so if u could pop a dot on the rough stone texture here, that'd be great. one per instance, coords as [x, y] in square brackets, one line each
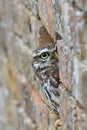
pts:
[24, 24]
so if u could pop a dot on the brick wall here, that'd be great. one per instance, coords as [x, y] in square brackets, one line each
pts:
[23, 25]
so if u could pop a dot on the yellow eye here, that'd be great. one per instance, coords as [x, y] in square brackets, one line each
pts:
[44, 55]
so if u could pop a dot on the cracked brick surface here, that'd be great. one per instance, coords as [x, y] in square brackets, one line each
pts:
[24, 24]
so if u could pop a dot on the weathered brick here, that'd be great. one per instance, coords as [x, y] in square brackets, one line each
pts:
[23, 26]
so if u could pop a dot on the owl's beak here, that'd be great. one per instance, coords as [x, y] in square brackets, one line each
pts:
[55, 55]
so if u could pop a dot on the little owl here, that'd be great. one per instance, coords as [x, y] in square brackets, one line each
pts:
[45, 64]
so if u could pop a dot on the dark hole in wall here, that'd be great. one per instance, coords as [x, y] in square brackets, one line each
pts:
[44, 36]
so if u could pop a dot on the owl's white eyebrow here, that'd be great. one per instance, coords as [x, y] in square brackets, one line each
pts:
[42, 51]
[47, 50]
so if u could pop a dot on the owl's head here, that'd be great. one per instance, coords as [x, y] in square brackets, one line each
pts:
[45, 57]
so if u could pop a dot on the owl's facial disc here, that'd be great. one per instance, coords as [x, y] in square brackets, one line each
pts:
[45, 58]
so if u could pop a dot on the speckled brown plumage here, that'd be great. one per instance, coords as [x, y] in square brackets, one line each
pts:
[45, 64]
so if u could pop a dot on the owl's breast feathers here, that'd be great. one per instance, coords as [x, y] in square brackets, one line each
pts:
[49, 89]
[51, 74]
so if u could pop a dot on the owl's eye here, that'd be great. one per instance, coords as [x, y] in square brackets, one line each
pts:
[44, 55]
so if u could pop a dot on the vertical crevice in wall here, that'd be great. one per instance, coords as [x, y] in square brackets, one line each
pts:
[24, 25]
